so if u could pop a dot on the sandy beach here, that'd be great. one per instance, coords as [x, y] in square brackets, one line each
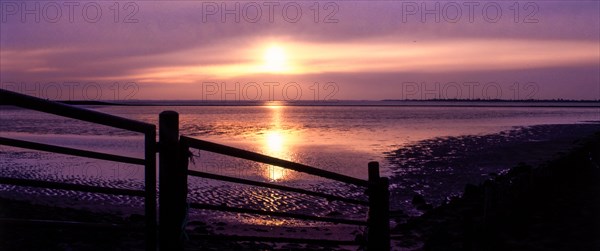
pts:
[438, 169]
[552, 206]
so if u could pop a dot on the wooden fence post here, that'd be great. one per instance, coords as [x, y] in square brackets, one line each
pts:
[384, 186]
[172, 183]
[150, 188]
[378, 236]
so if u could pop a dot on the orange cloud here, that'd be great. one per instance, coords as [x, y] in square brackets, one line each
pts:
[382, 56]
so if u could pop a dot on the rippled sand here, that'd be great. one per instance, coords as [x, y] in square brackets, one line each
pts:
[439, 168]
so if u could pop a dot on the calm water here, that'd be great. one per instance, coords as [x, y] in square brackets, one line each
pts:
[337, 138]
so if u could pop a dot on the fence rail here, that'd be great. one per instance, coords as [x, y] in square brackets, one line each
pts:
[175, 152]
[149, 161]
[330, 197]
[257, 157]
[70, 151]
[277, 214]
[70, 186]
[71, 224]
[68, 111]
[273, 239]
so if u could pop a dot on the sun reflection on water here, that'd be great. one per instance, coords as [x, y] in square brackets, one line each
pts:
[275, 145]
[276, 142]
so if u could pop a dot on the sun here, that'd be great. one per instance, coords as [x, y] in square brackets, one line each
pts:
[275, 59]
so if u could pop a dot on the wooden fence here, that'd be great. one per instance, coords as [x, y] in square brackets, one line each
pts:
[149, 161]
[173, 150]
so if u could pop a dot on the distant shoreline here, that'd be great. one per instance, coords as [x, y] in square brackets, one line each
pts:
[358, 103]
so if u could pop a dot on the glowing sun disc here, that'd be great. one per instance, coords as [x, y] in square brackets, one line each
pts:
[275, 59]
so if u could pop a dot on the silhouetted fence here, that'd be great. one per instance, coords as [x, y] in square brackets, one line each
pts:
[173, 174]
[149, 161]
[174, 151]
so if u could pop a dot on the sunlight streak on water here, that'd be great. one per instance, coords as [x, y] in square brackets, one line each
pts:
[276, 143]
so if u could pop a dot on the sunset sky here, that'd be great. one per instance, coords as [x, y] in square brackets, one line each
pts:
[353, 49]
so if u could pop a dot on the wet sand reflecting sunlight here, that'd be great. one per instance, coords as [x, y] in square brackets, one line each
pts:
[278, 143]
